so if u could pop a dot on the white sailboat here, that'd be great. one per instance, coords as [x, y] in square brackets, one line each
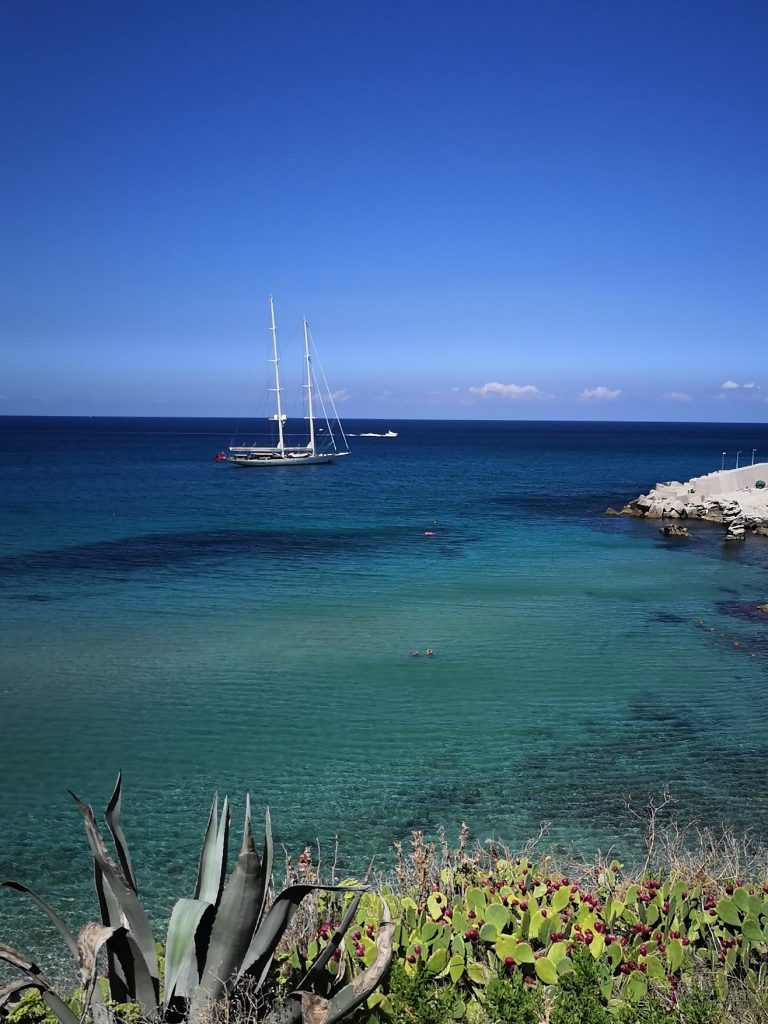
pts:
[312, 453]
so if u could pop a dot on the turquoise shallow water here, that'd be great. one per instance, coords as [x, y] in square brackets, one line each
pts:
[204, 628]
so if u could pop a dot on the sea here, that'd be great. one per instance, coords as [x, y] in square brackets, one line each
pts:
[203, 628]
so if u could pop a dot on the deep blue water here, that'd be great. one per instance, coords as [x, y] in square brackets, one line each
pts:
[203, 627]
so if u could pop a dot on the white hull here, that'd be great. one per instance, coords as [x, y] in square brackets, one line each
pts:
[260, 461]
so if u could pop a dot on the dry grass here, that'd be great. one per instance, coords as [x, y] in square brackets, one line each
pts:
[679, 850]
[691, 852]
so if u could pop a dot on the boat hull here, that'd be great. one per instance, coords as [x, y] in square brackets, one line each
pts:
[257, 462]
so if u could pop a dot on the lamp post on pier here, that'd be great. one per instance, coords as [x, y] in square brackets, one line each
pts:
[753, 455]
[722, 463]
[738, 453]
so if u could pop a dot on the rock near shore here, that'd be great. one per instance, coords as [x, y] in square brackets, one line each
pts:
[674, 530]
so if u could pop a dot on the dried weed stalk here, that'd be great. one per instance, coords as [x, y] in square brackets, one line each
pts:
[431, 865]
[695, 853]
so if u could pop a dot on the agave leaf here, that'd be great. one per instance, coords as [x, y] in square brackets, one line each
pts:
[134, 969]
[265, 939]
[14, 987]
[180, 952]
[209, 844]
[132, 961]
[129, 978]
[100, 1013]
[338, 981]
[90, 939]
[59, 1007]
[336, 941]
[266, 859]
[112, 817]
[18, 960]
[325, 954]
[56, 920]
[361, 986]
[136, 919]
[213, 855]
[111, 916]
[235, 922]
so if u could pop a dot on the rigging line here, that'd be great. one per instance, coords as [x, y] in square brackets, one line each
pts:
[330, 396]
[325, 417]
[328, 421]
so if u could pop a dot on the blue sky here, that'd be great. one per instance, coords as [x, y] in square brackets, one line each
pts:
[538, 210]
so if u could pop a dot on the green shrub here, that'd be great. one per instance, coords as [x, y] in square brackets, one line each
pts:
[652, 1011]
[418, 999]
[511, 1001]
[697, 1007]
[30, 1009]
[578, 999]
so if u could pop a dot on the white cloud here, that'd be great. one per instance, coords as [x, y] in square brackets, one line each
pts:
[340, 396]
[677, 396]
[513, 391]
[733, 386]
[600, 393]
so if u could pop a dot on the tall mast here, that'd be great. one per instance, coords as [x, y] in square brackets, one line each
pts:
[308, 386]
[276, 389]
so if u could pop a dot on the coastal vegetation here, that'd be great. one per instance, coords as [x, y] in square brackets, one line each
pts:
[454, 932]
[221, 940]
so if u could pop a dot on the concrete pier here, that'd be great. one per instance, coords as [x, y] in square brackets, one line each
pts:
[737, 498]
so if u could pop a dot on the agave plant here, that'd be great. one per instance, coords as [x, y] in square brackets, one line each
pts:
[217, 938]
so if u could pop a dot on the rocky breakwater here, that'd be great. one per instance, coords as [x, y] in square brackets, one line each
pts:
[737, 498]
